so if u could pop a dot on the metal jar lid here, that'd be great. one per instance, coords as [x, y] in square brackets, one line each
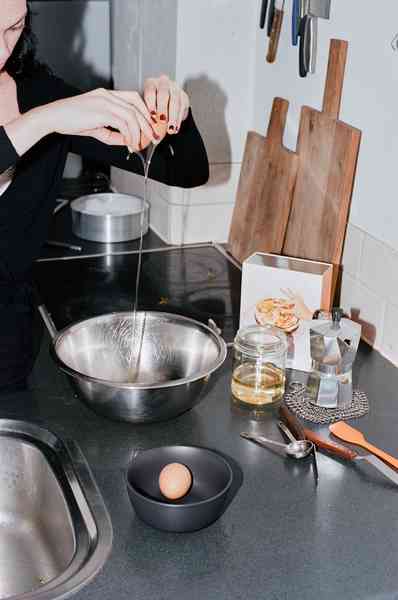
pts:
[261, 341]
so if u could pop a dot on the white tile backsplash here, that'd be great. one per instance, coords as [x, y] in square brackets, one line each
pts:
[370, 289]
[353, 250]
[375, 265]
[390, 337]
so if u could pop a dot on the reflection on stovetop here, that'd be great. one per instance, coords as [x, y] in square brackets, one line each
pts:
[196, 282]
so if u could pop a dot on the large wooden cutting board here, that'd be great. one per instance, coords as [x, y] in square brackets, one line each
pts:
[328, 151]
[265, 190]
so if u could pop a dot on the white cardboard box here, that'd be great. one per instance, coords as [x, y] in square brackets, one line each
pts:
[270, 276]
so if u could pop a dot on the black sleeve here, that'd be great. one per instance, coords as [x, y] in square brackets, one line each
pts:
[8, 154]
[179, 160]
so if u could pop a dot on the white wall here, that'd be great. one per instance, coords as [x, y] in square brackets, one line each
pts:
[208, 47]
[370, 101]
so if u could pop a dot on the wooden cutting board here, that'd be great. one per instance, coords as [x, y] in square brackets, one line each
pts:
[328, 151]
[265, 190]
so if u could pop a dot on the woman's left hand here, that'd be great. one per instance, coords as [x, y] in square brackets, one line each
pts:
[167, 102]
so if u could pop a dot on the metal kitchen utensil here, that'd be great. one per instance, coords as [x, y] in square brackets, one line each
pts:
[176, 354]
[212, 477]
[109, 217]
[314, 10]
[308, 34]
[351, 455]
[297, 449]
[291, 437]
[320, 8]
[353, 436]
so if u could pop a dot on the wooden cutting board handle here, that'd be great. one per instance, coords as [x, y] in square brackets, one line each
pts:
[277, 122]
[335, 78]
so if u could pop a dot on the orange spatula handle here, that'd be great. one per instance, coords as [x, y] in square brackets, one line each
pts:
[387, 458]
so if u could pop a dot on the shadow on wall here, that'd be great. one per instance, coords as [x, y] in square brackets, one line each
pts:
[59, 27]
[209, 102]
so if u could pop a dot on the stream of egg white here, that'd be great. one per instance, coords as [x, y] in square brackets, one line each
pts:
[136, 336]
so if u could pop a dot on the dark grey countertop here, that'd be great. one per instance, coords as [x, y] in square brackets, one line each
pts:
[280, 538]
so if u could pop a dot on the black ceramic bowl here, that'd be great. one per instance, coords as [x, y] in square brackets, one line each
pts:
[204, 503]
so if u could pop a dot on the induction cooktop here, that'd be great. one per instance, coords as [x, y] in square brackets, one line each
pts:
[197, 281]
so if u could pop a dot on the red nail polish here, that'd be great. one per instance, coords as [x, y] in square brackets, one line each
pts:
[162, 117]
[153, 112]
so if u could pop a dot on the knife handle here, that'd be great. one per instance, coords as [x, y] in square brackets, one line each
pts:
[320, 442]
[264, 6]
[295, 21]
[275, 34]
[292, 422]
[303, 64]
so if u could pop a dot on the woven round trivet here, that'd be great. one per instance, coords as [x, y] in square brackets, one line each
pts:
[298, 401]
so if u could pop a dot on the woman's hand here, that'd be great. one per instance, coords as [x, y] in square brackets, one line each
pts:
[166, 102]
[112, 117]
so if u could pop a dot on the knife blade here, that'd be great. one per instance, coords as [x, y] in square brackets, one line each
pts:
[320, 8]
[380, 466]
[351, 455]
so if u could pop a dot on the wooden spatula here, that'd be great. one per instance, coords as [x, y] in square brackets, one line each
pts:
[353, 436]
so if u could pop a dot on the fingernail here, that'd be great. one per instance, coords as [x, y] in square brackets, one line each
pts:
[171, 127]
[162, 117]
[153, 112]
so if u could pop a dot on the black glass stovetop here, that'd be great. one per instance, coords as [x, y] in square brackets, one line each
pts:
[196, 282]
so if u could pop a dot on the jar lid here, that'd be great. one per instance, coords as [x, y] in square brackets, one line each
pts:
[261, 340]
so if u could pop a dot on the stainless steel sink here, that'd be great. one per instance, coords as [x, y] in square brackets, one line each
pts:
[55, 532]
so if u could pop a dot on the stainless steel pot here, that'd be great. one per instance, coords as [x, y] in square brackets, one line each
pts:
[150, 370]
[109, 217]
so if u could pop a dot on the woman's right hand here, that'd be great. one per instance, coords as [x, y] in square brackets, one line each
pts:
[112, 117]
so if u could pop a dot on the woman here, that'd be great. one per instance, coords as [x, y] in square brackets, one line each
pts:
[41, 120]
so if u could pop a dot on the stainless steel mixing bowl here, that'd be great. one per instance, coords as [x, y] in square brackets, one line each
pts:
[150, 370]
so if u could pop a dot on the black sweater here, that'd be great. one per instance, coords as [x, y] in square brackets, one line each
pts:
[27, 205]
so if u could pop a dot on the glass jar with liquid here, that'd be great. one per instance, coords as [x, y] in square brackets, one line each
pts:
[258, 374]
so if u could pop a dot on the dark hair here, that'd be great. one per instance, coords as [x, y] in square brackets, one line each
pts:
[22, 61]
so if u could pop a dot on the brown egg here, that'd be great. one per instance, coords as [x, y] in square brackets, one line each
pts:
[175, 480]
